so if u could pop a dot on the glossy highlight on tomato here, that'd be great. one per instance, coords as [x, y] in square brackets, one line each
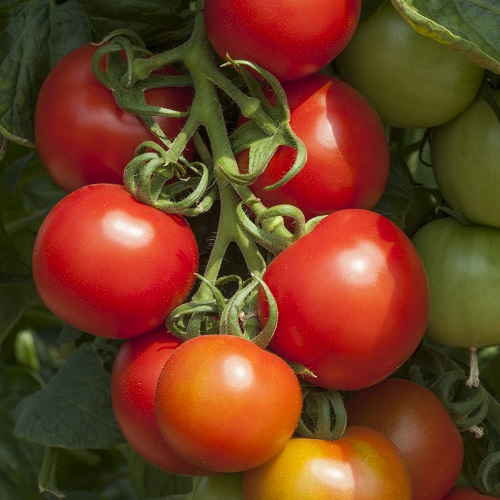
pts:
[134, 379]
[82, 135]
[347, 162]
[225, 404]
[289, 38]
[111, 266]
[416, 421]
[352, 297]
[361, 465]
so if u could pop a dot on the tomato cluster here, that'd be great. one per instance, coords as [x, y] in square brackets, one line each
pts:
[348, 296]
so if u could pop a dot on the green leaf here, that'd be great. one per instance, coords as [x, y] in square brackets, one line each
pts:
[19, 460]
[151, 482]
[12, 267]
[369, 7]
[398, 194]
[15, 300]
[35, 35]
[155, 21]
[74, 409]
[471, 28]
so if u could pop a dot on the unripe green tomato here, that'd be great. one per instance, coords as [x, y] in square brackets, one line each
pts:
[410, 79]
[463, 269]
[226, 486]
[465, 156]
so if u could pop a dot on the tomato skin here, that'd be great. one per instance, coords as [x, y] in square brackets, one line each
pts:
[111, 266]
[465, 493]
[225, 404]
[134, 378]
[363, 464]
[464, 156]
[464, 275]
[347, 162]
[82, 135]
[411, 79]
[254, 30]
[343, 293]
[416, 421]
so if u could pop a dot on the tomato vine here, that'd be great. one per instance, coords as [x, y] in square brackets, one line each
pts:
[237, 107]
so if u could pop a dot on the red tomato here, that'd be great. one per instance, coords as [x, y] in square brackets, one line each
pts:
[111, 266]
[226, 404]
[362, 465]
[347, 152]
[290, 38]
[353, 300]
[416, 421]
[464, 493]
[83, 136]
[134, 378]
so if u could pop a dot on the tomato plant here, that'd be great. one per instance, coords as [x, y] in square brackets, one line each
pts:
[342, 293]
[225, 404]
[347, 162]
[464, 155]
[363, 464]
[416, 421]
[410, 79]
[109, 265]
[462, 267]
[83, 136]
[274, 316]
[134, 379]
[314, 33]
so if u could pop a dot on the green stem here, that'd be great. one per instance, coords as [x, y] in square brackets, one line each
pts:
[47, 477]
[206, 111]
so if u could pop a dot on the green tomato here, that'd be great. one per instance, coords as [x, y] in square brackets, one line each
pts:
[465, 156]
[410, 79]
[226, 486]
[463, 270]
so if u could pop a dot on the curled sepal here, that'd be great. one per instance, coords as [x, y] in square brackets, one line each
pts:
[202, 315]
[268, 229]
[487, 476]
[323, 414]
[193, 319]
[268, 128]
[240, 314]
[183, 188]
[117, 74]
[468, 406]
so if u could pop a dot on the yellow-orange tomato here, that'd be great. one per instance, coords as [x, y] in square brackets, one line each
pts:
[362, 465]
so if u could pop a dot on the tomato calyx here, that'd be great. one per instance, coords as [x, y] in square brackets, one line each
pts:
[468, 406]
[323, 414]
[234, 316]
[161, 177]
[487, 476]
[180, 187]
